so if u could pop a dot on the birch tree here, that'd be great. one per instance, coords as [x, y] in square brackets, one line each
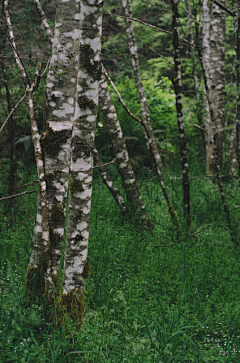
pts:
[214, 63]
[177, 82]
[120, 149]
[82, 143]
[132, 45]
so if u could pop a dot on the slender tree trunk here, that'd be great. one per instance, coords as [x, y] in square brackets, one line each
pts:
[232, 150]
[154, 154]
[178, 93]
[237, 39]
[113, 189]
[206, 52]
[12, 176]
[216, 153]
[217, 73]
[193, 58]
[123, 162]
[86, 106]
[30, 88]
[132, 45]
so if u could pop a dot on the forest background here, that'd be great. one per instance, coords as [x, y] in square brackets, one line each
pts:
[156, 295]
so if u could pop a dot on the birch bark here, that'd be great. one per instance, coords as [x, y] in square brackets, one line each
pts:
[82, 144]
[216, 154]
[217, 73]
[206, 52]
[107, 181]
[237, 39]
[61, 87]
[40, 245]
[178, 93]
[132, 45]
[123, 162]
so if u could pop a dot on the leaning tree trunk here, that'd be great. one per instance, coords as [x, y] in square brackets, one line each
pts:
[132, 45]
[178, 93]
[120, 149]
[86, 107]
[154, 154]
[111, 187]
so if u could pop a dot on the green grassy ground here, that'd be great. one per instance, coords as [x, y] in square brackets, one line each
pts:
[150, 297]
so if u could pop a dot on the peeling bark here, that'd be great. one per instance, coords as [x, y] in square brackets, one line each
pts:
[82, 143]
[120, 149]
[178, 93]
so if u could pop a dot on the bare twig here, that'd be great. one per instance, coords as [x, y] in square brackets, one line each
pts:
[230, 12]
[19, 195]
[160, 55]
[99, 166]
[199, 127]
[5, 122]
[152, 26]
[27, 185]
[120, 97]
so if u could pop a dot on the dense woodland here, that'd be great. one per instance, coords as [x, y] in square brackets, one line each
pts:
[119, 181]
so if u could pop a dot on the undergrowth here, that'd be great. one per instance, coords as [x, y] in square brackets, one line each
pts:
[151, 297]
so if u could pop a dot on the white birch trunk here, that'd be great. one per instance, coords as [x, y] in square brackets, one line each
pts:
[123, 161]
[61, 89]
[108, 182]
[86, 106]
[132, 45]
[217, 72]
[210, 164]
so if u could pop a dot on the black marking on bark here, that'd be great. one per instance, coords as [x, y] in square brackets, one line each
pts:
[54, 140]
[94, 68]
[85, 103]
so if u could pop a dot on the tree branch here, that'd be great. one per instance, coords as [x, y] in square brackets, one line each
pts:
[223, 7]
[5, 122]
[19, 195]
[44, 21]
[152, 26]
[120, 97]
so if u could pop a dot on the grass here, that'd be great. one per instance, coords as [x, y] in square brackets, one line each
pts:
[150, 298]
